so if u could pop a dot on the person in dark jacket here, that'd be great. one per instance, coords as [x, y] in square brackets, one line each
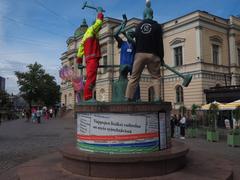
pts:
[172, 123]
[149, 52]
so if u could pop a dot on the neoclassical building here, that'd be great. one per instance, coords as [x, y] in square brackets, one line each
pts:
[199, 43]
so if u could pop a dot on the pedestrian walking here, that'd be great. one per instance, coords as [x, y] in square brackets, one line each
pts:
[46, 115]
[172, 123]
[23, 114]
[182, 127]
[51, 112]
[177, 126]
[33, 111]
[55, 111]
[38, 114]
[28, 115]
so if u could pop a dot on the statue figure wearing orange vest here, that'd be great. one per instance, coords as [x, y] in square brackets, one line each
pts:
[90, 49]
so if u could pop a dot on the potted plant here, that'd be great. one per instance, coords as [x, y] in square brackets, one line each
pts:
[233, 138]
[192, 130]
[212, 133]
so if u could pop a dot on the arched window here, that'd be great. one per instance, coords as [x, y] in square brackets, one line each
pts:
[179, 94]
[151, 94]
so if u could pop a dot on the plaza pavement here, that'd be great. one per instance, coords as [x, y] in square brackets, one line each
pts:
[21, 142]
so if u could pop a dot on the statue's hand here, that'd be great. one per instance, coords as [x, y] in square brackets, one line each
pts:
[124, 23]
[124, 18]
[99, 9]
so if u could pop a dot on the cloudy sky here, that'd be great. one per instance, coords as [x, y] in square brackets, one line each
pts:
[37, 30]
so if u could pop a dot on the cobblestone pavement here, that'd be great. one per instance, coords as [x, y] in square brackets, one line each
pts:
[218, 150]
[22, 141]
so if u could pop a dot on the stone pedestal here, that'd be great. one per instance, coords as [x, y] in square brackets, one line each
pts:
[130, 140]
[123, 128]
[103, 165]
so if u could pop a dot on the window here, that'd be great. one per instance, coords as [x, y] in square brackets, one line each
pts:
[238, 54]
[150, 94]
[179, 94]
[178, 56]
[71, 62]
[65, 99]
[177, 47]
[105, 62]
[215, 53]
[217, 43]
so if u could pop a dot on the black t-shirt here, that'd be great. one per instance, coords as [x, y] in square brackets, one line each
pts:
[149, 39]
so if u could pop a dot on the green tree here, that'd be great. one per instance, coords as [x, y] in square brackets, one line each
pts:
[212, 116]
[236, 115]
[4, 100]
[38, 87]
[194, 115]
[51, 91]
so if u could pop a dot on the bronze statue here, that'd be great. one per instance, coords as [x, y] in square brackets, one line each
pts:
[149, 52]
[127, 54]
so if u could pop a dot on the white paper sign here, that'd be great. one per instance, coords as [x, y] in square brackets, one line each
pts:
[116, 124]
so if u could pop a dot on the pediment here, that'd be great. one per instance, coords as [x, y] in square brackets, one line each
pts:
[177, 41]
[216, 39]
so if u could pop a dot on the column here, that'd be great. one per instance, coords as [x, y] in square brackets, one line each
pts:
[232, 49]
[199, 43]
[233, 57]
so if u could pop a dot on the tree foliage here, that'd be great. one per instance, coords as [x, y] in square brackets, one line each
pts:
[4, 100]
[38, 87]
[236, 115]
[212, 116]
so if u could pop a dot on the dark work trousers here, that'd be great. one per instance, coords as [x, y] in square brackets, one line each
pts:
[182, 130]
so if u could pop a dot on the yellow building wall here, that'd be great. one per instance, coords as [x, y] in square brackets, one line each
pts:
[70, 97]
[189, 47]
[207, 46]
[193, 94]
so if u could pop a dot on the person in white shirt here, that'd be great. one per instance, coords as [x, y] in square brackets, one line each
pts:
[182, 127]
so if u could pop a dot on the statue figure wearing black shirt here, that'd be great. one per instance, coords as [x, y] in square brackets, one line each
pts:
[149, 52]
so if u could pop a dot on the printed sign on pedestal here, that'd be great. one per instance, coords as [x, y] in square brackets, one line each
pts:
[120, 133]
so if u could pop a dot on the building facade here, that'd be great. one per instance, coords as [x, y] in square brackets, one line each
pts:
[2, 83]
[199, 43]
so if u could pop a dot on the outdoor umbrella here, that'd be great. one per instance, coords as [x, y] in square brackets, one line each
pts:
[207, 106]
[231, 106]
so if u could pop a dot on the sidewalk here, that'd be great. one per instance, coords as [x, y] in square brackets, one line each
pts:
[216, 149]
[21, 142]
